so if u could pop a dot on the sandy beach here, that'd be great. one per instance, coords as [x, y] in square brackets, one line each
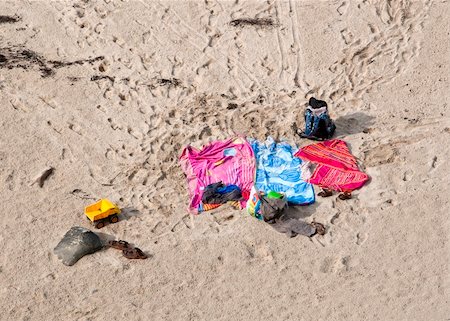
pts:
[106, 94]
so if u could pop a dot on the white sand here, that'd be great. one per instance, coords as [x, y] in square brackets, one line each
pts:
[383, 66]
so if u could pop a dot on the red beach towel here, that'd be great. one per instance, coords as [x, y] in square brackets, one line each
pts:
[336, 167]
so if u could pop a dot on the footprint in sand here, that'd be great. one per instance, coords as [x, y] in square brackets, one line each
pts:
[9, 181]
[343, 7]
[259, 251]
[335, 264]
[75, 128]
[434, 162]
[384, 154]
[408, 175]
[361, 238]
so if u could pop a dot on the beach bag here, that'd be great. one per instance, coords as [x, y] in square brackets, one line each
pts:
[318, 124]
[266, 206]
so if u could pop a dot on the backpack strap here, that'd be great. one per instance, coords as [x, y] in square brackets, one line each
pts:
[311, 123]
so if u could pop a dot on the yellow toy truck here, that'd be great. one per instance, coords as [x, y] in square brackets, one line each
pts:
[101, 212]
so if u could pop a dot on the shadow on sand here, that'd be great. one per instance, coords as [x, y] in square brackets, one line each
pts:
[353, 123]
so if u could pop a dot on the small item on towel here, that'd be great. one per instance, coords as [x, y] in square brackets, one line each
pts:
[202, 207]
[318, 124]
[254, 204]
[219, 193]
[76, 243]
[336, 167]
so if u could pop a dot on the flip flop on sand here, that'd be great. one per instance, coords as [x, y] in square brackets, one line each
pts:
[325, 192]
[345, 196]
[134, 253]
[119, 245]
[320, 228]
[128, 251]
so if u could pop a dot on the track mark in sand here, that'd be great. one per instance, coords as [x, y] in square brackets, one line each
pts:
[280, 46]
[114, 125]
[434, 162]
[82, 194]
[211, 30]
[347, 36]
[77, 19]
[334, 219]
[204, 66]
[9, 181]
[387, 148]
[361, 238]
[154, 161]
[43, 176]
[63, 154]
[49, 101]
[384, 154]
[57, 129]
[17, 104]
[134, 134]
[299, 78]
[266, 64]
[75, 128]
[335, 264]
[258, 251]
[186, 36]
[343, 7]
[350, 217]
[365, 64]
[408, 175]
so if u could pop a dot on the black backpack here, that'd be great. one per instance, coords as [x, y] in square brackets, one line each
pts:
[318, 124]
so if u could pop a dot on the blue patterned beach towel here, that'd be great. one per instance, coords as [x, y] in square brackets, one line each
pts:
[277, 169]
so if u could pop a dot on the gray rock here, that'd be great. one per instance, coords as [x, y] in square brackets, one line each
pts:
[77, 243]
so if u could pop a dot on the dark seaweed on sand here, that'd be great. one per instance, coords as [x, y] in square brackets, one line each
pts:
[101, 77]
[169, 82]
[258, 22]
[9, 19]
[18, 57]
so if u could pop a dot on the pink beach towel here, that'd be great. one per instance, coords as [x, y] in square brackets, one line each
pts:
[231, 162]
[336, 167]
